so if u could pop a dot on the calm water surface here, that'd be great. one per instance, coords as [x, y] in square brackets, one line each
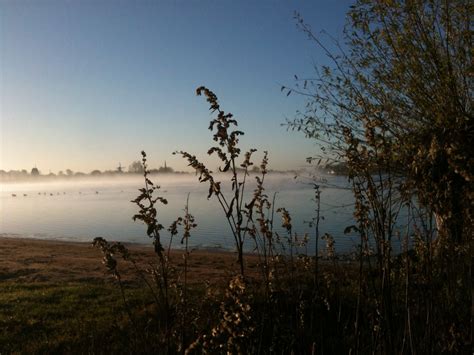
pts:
[81, 210]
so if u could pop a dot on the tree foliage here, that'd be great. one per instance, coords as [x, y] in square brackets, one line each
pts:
[35, 172]
[395, 106]
[136, 167]
[400, 93]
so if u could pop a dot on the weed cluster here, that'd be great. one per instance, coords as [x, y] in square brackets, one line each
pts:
[297, 301]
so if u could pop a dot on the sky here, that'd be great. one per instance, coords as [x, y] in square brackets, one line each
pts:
[89, 84]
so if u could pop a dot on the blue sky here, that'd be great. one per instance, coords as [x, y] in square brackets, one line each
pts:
[86, 84]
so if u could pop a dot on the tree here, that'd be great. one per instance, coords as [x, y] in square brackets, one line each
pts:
[404, 76]
[35, 172]
[395, 106]
[136, 167]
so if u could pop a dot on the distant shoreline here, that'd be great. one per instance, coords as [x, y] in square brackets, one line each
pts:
[24, 176]
[80, 176]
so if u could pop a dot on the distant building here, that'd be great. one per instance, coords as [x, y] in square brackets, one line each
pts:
[165, 169]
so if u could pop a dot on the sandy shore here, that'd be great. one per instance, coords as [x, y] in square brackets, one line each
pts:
[33, 260]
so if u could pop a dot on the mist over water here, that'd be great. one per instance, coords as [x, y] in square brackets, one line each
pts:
[80, 210]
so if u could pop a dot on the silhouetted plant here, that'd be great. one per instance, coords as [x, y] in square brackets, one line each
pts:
[234, 332]
[148, 213]
[159, 278]
[228, 151]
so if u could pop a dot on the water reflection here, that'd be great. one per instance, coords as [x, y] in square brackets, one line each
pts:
[82, 210]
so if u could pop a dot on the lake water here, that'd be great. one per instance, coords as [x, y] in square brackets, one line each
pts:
[82, 210]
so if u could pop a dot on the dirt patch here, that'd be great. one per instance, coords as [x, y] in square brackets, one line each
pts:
[32, 260]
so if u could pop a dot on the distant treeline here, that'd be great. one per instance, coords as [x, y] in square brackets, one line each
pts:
[35, 173]
[133, 169]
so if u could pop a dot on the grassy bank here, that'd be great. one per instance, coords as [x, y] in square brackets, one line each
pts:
[57, 296]
[46, 309]
[74, 317]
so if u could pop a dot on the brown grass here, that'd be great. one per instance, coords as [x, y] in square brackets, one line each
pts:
[33, 260]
